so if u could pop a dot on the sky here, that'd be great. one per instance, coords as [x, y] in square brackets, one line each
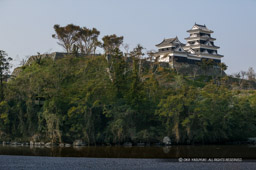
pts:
[26, 26]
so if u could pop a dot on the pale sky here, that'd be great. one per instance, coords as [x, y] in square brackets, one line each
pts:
[26, 26]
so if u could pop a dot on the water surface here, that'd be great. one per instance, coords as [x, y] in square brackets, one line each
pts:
[171, 152]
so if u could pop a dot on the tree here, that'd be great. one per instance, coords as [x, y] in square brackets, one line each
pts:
[4, 116]
[211, 111]
[118, 72]
[126, 50]
[111, 42]
[4, 70]
[67, 36]
[170, 109]
[137, 53]
[243, 73]
[53, 126]
[194, 71]
[223, 67]
[251, 74]
[134, 93]
[205, 64]
[88, 40]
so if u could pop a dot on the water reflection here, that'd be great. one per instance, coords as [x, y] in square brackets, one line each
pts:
[166, 149]
[175, 151]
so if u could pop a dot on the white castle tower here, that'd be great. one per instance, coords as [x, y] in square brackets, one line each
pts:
[200, 45]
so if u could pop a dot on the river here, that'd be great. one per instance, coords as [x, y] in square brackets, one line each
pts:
[245, 152]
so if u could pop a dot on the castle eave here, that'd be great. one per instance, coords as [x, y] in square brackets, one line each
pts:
[200, 38]
[202, 46]
[200, 31]
[214, 56]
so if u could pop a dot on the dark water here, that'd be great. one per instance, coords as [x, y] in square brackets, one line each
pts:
[171, 152]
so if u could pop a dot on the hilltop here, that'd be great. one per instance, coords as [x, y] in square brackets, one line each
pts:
[122, 97]
[101, 100]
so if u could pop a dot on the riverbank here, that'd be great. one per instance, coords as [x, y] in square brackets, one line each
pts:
[42, 163]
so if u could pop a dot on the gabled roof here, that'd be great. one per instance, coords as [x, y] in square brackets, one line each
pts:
[191, 51]
[179, 49]
[167, 42]
[200, 27]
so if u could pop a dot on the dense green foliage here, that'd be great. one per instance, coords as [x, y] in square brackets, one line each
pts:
[4, 69]
[115, 101]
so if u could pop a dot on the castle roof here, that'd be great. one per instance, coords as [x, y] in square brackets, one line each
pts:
[167, 42]
[198, 27]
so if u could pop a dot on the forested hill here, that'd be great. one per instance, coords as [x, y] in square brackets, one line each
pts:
[114, 101]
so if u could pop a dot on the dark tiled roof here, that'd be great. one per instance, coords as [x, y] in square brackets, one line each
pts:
[182, 45]
[201, 27]
[166, 42]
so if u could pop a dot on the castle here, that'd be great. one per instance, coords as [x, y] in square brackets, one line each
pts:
[184, 58]
[200, 45]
